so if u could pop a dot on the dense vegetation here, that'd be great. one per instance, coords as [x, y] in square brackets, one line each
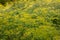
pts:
[30, 20]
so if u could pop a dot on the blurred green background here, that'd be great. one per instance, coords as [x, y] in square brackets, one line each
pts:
[29, 19]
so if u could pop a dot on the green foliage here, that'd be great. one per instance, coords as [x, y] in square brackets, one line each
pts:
[3, 2]
[30, 20]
